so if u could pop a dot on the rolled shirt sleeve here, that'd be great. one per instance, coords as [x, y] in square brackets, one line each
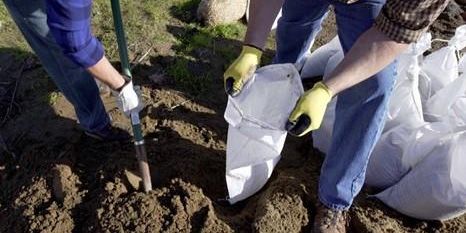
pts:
[405, 20]
[70, 24]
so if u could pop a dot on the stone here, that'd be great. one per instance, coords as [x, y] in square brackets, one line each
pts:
[215, 12]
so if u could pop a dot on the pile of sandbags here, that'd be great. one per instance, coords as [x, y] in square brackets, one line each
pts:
[420, 157]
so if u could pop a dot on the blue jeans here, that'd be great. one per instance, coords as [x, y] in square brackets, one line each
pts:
[78, 86]
[360, 110]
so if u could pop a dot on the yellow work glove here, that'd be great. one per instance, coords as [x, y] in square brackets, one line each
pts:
[241, 70]
[309, 111]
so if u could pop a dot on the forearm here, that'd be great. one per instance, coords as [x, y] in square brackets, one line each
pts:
[372, 52]
[106, 73]
[262, 14]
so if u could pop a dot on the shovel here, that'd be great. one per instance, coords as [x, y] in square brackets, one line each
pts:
[141, 153]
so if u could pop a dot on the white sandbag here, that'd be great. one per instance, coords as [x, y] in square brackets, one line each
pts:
[315, 63]
[446, 104]
[441, 66]
[422, 141]
[256, 134]
[250, 160]
[435, 189]
[385, 166]
[400, 149]
[405, 106]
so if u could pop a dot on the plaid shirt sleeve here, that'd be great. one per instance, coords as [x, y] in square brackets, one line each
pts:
[70, 24]
[405, 20]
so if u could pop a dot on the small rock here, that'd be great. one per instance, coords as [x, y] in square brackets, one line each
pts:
[214, 12]
[60, 175]
[133, 180]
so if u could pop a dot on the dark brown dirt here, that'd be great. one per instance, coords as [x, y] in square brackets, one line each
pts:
[53, 179]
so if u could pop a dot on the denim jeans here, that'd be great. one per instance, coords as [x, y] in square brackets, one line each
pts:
[78, 86]
[360, 110]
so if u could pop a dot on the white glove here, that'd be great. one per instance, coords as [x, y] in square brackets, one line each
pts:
[128, 100]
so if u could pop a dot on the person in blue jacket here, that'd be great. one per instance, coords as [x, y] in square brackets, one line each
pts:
[60, 34]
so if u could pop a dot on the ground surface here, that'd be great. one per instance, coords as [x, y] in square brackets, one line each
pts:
[53, 179]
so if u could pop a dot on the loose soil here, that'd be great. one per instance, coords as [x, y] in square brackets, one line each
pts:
[54, 179]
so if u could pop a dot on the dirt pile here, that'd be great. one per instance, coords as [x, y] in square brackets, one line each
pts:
[180, 207]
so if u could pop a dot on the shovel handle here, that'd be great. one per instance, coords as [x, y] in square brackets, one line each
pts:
[141, 155]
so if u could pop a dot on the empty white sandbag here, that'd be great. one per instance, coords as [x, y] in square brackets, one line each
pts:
[256, 132]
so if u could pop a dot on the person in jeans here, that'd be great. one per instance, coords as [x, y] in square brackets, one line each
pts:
[372, 33]
[59, 32]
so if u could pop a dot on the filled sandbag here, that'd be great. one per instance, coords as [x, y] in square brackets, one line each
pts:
[440, 68]
[316, 62]
[435, 189]
[448, 104]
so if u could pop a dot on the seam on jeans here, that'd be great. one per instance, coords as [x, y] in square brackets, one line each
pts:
[375, 132]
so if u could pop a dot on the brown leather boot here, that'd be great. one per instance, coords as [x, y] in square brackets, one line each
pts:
[329, 221]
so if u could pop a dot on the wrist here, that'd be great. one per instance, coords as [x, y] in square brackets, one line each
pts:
[126, 81]
[252, 50]
[324, 87]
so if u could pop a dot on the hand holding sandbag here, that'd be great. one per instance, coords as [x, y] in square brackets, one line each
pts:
[309, 111]
[241, 70]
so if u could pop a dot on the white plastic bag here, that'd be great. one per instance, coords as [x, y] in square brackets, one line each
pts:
[385, 166]
[256, 134]
[435, 188]
[422, 141]
[315, 63]
[448, 104]
[405, 106]
[441, 66]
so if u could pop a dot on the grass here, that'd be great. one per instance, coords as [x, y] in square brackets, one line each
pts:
[203, 46]
[185, 79]
[159, 23]
[9, 33]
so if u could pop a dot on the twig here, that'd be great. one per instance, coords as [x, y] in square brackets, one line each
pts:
[20, 72]
[142, 57]
[440, 40]
[178, 105]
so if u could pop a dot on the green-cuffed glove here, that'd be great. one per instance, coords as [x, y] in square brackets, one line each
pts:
[241, 70]
[309, 111]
